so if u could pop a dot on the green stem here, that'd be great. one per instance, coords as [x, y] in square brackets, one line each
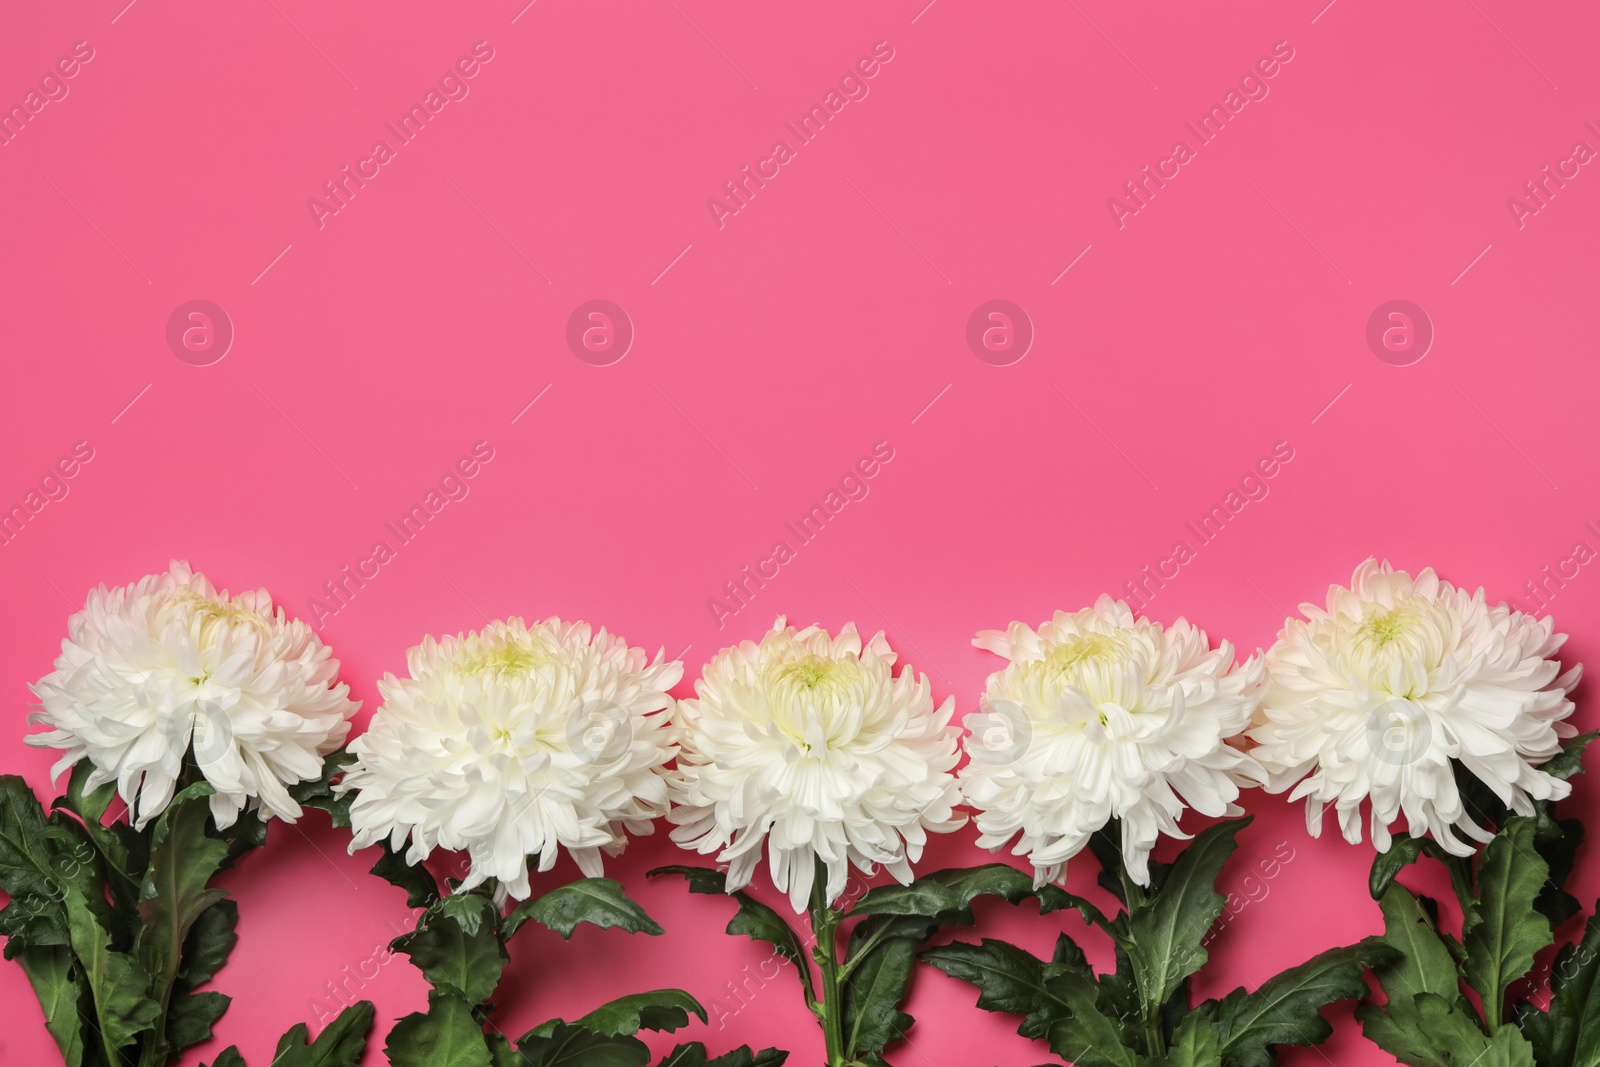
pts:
[1155, 1042]
[825, 924]
[1494, 1000]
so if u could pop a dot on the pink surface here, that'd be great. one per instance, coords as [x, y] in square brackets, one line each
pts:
[1172, 348]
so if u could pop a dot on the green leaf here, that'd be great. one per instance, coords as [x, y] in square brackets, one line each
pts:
[501, 1054]
[1422, 963]
[341, 1043]
[446, 1035]
[1568, 1034]
[32, 920]
[1557, 842]
[1403, 851]
[753, 919]
[39, 864]
[1432, 1031]
[249, 831]
[872, 994]
[1286, 1009]
[117, 984]
[183, 859]
[1086, 1036]
[951, 890]
[1068, 953]
[319, 791]
[1195, 1044]
[599, 901]
[210, 941]
[453, 960]
[1008, 980]
[566, 1045]
[1501, 932]
[1165, 932]
[1054, 898]
[1570, 761]
[421, 890]
[694, 1054]
[58, 983]
[90, 806]
[123, 868]
[1119, 997]
[190, 1017]
[1106, 844]
[471, 910]
[229, 1057]
[659, 1009]
[1509, 1048]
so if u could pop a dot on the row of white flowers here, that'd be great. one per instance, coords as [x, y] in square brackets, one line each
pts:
[518, 741]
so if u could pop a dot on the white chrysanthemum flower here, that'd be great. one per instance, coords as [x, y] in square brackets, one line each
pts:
[1377, 697]
[1098, 716]
[516, 741]
[811, 744]
[167, 670]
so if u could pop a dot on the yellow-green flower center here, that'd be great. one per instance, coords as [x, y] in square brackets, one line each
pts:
[1386, 627]
[503, 657]
[1064, 657]
[811, 672]
[219, 609]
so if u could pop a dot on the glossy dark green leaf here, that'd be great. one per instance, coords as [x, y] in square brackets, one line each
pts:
[421, 890]
[694, 1054]
[1008, 980]
[119, 986]
[501, 1054]
[190, 1017]
[1403, 851]
[1118, 997]
[1195, 1043]
[1557, 842]
[951, 890]
[341, 1043]
[248, 832]
[39, 862]
[1501, 931]
[1085, 1036]
[210, 941]
[600, 902]
[1568, 1034]
[872, 994]
[57, 981]
[176, 889]
[446, 1035]
[1054, 898]
[1433, 1033]
[469, 909]
[565, 1045]
[1166, 932]
[319, 791]
[124, 869]
[229, 1057]
[659, 1009]
[453, 960]
[1069, 954]
[1421, 962]
[1570, 760]
[88, 805]
[1286, 1009]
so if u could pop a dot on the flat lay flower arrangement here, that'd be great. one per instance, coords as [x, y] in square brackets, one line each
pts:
[1433, 723]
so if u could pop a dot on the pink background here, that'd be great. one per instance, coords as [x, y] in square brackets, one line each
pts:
[770, 354]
